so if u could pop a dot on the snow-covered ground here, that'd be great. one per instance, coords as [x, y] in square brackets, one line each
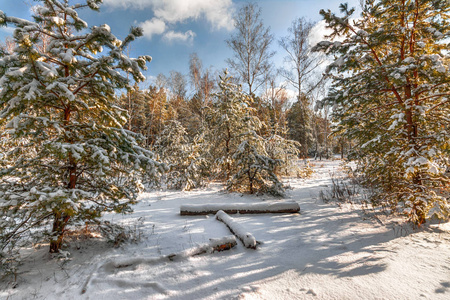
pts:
[325, 252]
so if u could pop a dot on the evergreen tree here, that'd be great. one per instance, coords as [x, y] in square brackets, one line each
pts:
[390, 96]
[284, 151]
[299, 119]
[66, 156]
[239, 151]
[230, 106]
[184, 158]
[254, 169]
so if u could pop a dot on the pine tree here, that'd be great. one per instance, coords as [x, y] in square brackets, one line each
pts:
[254, 169]
[284, 151]
[390, 96]
[66, 155]
[230, 106]
[239, 151]
[184, 158]
[299, 119]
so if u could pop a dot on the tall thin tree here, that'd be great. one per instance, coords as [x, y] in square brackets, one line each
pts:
[300, 65]
[251, 47]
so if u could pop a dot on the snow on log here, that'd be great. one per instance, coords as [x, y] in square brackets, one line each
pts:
[214, 245]
[242, 208]
[247, 238]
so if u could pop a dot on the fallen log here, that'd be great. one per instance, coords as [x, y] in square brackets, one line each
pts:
[214, 245]
[241, 208]
[246, 238]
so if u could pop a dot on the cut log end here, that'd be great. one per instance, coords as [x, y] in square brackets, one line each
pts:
[223, 247]
[246, 238]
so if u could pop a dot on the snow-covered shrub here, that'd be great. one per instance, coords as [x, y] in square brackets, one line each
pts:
[254, 169]
[286, 152]
[119, 234]
[342, 190]
[305, 171]
[185, 159]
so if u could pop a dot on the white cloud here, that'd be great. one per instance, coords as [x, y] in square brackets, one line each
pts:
[7, 30]
[217, 12]
[153, 26]
[139, 4]
[318, 33]
[172, 36]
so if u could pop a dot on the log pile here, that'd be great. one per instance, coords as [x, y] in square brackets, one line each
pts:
[246, 238]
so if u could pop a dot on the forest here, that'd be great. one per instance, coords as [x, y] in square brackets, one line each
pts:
[82, 134]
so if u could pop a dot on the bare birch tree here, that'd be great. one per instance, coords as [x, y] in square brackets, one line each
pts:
[251, 47]
[300, 66]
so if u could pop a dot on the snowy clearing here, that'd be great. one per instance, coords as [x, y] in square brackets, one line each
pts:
[325, 252]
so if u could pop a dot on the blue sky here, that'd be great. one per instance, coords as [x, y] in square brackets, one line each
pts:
[176, 28]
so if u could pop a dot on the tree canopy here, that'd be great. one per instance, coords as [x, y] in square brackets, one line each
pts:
[391, 96]
[66, 156]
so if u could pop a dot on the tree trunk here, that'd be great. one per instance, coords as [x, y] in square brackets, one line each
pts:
[249, 174]
[228, 150]
[59, 225]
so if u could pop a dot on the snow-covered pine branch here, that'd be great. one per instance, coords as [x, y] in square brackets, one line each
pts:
[66, 157]
[391, 70]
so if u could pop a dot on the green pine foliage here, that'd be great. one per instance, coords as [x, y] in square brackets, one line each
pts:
[239, 151]
[300, 122]
[254, 169]
[390, 96]
[230, 107]
[286, 152]
[65, 155]
[185, 159]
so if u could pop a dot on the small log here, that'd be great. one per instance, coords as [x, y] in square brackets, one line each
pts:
[241, 208]
[214, 245]
[246, 238]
